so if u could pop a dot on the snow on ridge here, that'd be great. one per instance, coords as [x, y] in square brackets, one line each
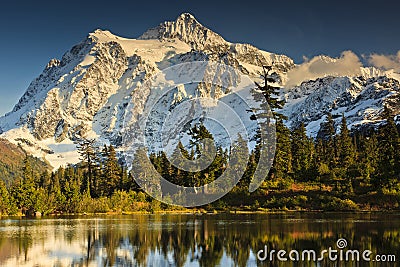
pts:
[361, 99]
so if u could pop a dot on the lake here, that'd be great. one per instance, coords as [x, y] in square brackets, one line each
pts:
[201, 240]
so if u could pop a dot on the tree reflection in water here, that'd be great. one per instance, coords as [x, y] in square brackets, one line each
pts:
[185, 239]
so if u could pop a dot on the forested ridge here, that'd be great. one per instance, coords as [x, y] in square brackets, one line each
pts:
[12, 162]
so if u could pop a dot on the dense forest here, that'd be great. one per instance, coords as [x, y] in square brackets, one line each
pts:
[338, 170]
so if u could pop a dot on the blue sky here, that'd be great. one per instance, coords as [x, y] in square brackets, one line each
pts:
[33, 32]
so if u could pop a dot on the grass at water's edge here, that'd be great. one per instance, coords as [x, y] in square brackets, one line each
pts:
[199, 212]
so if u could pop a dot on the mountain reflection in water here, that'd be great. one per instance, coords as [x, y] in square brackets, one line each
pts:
[190, 240]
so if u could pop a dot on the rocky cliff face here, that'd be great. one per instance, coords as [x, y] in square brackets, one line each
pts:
[361, 99]
[187, 29]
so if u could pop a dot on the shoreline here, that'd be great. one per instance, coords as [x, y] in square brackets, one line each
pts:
[197, 212]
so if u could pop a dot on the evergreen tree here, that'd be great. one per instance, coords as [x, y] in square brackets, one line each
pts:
[238, 160]
[270, 92]
[23, 190]
[218, 165]
[199, 134]
[28, 175]
[326, 153]
[347, 156]
[143, 171]
[301, 153]
[387, 175]
[87, 150]
[5, 201]
[179, 176]
[166, 167]
[45, 180]
[56, 188]
[112, 172]
[42, 202]
[282, 165]
[330, 156]
[249, 173]
[125, 179]
[346, 150]
[71, 190]
[368, 156]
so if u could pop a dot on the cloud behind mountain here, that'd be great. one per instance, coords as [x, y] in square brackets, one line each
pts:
[321, 66]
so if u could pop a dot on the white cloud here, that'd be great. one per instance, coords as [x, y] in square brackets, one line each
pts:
[385, 61]
[320, 66]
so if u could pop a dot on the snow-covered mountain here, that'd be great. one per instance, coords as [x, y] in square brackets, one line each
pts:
[85, 94]
[361, 99]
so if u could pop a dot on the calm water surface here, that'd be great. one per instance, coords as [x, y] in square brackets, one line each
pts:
[193, 240]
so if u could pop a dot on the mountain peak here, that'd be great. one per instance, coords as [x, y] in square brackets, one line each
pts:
[101, 35]
[186, 16]
[54, 62]
[187, 29]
